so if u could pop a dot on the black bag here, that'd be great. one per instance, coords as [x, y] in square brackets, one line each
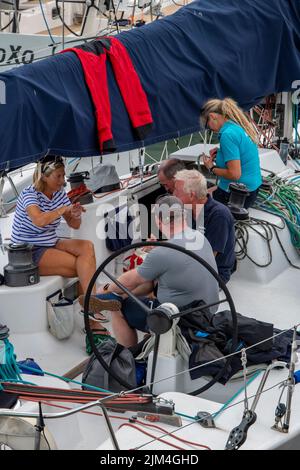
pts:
[117, 233]
[119, 359]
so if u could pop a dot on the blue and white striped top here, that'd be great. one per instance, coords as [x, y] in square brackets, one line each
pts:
[23, 229]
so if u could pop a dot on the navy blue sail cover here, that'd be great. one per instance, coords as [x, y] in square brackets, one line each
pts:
[211, 48]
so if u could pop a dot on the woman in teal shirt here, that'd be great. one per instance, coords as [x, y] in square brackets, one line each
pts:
[237, 159]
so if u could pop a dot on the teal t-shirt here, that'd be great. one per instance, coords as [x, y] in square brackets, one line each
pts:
[235, 144]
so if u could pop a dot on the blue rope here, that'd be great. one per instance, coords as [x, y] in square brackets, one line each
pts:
[10, 372]
[9, 369]
[24, 382]
[64, 379]
[223, 408]
[236, 394]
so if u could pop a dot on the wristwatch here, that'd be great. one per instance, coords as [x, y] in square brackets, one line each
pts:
[212, 170]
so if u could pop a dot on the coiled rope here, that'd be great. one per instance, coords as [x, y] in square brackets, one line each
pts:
[284, 201]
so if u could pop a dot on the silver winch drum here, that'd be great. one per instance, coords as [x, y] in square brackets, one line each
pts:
[20, 270]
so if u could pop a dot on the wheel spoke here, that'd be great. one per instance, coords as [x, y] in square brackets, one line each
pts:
[124, 289]
[198, 309]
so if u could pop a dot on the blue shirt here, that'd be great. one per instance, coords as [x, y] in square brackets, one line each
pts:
[24, 230]
[235, 144]
[220, 232]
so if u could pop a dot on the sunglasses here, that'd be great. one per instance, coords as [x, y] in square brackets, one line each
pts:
[50, 162]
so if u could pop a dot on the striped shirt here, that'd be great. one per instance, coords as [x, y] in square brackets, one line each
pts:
[24, 230]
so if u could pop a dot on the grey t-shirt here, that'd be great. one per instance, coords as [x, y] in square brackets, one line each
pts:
[182, 279]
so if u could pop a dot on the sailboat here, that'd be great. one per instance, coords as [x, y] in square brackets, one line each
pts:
[208, 48]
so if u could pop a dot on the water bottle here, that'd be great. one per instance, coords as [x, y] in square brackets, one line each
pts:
[284, 150]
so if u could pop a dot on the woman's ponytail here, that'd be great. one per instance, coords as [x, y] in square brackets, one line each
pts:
[230, 110]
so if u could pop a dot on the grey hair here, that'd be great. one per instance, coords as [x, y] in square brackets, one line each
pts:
[194, 182]
[169, 209]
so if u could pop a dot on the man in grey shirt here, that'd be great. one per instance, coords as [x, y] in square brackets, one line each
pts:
[180, 278]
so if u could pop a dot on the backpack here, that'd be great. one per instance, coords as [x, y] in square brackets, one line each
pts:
[119, 359]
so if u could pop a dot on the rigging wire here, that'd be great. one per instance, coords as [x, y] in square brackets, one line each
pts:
[55, 44]
[179, 4]
[198, 420]
[214, 361]
[63, 21]
[198, 367]
[195, 419]
[7, 25]
[4, 64]
[46, 22]
[120, 418]
[84, 20]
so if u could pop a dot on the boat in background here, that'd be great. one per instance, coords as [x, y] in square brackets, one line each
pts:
[31, 31]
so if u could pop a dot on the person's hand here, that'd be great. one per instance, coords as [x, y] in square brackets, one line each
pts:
[63, 211]
[147, 249]
[208, 162]
[76, 210]
[213, 153]
[100, 290]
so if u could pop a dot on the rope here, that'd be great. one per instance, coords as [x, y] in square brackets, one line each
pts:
[224, 407]
[64, 379]
[162, 440]
[9, 369]
[283, 201]
[213, 415]
[266, 230]
[46, 22]
[187, 370]
[75, 194]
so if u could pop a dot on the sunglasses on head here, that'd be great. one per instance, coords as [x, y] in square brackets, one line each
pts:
[50, 162]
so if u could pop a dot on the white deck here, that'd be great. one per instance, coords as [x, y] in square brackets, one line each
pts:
[260, 435]
[269, 294]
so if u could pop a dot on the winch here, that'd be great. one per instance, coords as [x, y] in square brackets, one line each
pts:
[238, 194]
[77, 180]
[20, 270]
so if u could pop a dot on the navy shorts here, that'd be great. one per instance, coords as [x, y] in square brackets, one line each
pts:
[135, 316]
[38, 251]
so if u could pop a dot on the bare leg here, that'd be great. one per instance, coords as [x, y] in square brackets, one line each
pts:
[125, 335]
[70, 263]
[57, 263]
[84, 253]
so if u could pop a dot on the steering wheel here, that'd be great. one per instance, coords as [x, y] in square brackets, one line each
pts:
[153, 314]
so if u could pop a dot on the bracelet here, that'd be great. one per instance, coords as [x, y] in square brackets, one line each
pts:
[106, 287]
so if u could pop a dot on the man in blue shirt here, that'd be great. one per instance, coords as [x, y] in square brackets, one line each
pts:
[214, 218]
